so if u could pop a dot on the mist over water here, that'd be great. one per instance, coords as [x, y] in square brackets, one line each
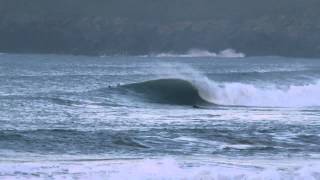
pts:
[159, 118]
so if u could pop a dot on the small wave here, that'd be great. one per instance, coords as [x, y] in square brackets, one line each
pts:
[70, 140]
[55, 100]
[227, 53]
[127, 141]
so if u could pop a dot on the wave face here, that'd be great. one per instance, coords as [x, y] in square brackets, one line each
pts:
[204, 91]
[227, 53]
[168, 91]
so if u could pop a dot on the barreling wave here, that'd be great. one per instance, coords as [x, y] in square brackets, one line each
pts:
[207, 92]
[227, 53]
[167, 91]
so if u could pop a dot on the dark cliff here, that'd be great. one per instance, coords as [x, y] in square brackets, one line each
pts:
[93, 27]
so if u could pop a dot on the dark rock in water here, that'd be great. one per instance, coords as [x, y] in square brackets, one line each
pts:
[254, 27]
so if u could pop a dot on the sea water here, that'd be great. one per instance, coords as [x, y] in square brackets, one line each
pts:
[159, 117]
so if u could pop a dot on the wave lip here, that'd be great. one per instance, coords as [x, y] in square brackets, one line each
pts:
[193, 53]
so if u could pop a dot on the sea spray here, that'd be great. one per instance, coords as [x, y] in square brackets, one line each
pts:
[194, 53]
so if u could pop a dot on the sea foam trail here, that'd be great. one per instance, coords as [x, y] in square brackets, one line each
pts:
[227, 53]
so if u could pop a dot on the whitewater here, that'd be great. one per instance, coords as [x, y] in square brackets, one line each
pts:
[199, 115]
[194, 53]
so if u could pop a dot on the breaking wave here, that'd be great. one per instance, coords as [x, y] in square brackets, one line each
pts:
[194, 92]
[227, 53]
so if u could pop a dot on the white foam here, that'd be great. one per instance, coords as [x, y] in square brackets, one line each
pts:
[166, 168]
[240, 94]
[227, 53]
[231, 53]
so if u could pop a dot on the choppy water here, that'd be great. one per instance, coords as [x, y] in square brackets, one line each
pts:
[79, 117]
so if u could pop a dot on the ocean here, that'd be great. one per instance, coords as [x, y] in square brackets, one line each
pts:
[159, 117]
